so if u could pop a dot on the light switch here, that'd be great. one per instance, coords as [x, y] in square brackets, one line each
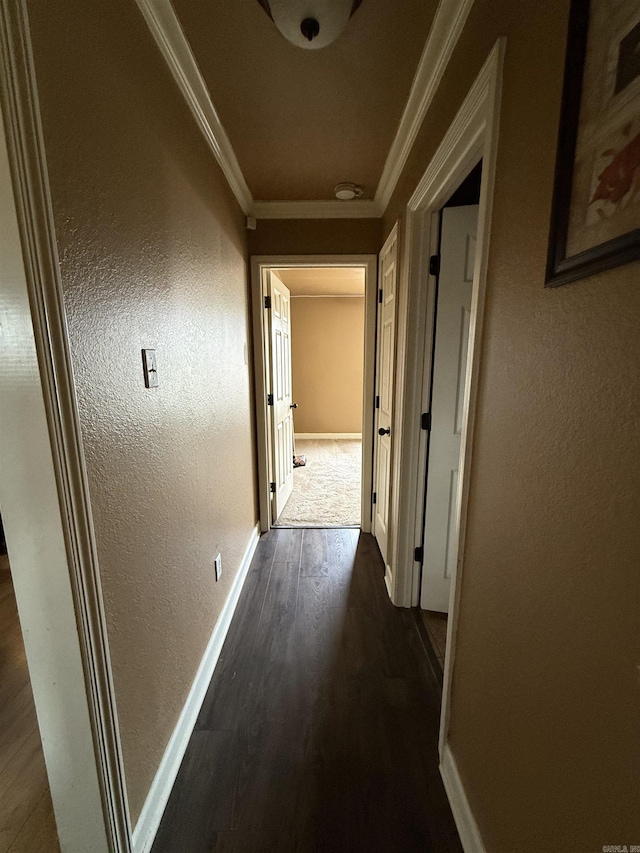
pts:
[150, 367]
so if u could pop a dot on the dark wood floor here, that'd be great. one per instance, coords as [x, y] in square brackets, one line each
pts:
[435, 624]
[319, 730]
[27, 824]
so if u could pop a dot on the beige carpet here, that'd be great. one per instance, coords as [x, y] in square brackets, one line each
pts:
[326, 492]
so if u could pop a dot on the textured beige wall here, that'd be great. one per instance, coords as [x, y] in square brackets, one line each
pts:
[316, 236]
[153, 254]
[327, 351]
[546, 694]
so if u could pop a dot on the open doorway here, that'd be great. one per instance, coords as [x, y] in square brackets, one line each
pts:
[447, 361]
[327, 372]
[314, 340]
[27, 821]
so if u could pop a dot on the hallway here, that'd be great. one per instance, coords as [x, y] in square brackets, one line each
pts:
[319, 731]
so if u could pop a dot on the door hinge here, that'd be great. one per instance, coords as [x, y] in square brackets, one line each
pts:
[374, 498]
[269, 399]
[434, 265]
[272, 488]
[418, 554]
[267, 302]
[377, 401]
[425, 421]
[380, 296]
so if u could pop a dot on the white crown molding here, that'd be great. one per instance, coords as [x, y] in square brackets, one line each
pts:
[446, 29]
[331, 209]
[469, 122]
[169, 35]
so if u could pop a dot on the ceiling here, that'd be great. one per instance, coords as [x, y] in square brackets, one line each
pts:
[301, 121]
[324, 281]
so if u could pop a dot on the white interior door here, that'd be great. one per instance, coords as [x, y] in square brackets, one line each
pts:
[281, 411]
[442, 514]
[386, 334]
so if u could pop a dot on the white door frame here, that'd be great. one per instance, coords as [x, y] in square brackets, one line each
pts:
[473, 135]
[388, 566]
[44, 485]
[432, 573]
[260, 265]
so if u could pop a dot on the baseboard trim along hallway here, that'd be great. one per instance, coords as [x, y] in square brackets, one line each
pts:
[155, 804]
[320, 728]
[462, 814]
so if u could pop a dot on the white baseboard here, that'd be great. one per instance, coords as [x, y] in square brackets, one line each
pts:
[462, 814]
[328, 435]
[388, 580]
[155, 804]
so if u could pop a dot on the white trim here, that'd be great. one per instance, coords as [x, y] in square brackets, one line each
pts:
[368, 391]
[328, 436]
[388, 580]
[329, 209]
[473, 135]
[462, 814]
[170, 38]
[260, 265]
[86, 772]
[446, 29]
[158, 796]
[391, 242]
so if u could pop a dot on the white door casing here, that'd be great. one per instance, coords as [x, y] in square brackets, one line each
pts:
[45, 497]
[442, 516]
[281, 411]
[261, 268]
[385, 372]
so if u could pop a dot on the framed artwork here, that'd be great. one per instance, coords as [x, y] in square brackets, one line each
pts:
[595, 219]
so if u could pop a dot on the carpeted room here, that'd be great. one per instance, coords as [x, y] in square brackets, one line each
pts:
[327, 346]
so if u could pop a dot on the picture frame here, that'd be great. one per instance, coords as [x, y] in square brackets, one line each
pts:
[595, 216]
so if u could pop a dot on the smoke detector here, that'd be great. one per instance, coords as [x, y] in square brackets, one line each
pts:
[347, 191]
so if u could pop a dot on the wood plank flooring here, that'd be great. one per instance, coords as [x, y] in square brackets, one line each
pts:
[319, 730]
[27, 824]
[436, 626]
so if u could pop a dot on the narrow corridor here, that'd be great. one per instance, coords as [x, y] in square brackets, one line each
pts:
[319, 730]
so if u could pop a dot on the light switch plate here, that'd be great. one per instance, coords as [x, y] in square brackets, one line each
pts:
[218, 565]
[150, 367]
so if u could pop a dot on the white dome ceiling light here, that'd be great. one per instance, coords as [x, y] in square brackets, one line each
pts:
[346, 191]
[310, 24]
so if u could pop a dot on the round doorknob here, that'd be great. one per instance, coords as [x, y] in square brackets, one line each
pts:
[293, 406]
[386, 431]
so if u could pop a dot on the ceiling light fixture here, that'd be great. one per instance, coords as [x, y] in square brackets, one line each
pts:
[311, 24]
[346, 191]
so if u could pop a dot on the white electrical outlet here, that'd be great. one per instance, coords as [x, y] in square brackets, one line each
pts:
[218, 565]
